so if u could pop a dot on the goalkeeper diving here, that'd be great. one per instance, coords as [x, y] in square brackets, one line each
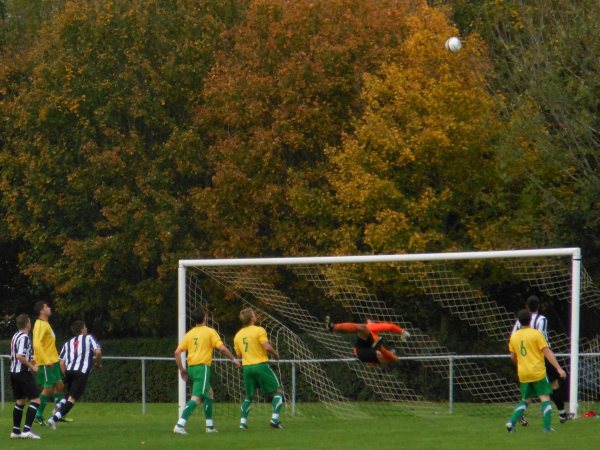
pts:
[369, 346]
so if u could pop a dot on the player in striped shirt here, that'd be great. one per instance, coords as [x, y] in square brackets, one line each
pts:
[46, 358]
[199, 343]
[21, 380]
[252, 345]
[558, 385]
[77, 356]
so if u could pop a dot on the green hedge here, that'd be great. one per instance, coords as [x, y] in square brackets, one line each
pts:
[120, 381]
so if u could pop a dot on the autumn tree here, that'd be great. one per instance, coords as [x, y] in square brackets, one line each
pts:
[417, 174]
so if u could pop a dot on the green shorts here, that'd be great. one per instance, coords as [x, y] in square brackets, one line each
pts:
[260, 375]
[200, 377]
[535, 388]
[48, 376]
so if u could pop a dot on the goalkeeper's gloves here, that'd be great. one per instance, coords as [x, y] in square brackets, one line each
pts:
[405, 336]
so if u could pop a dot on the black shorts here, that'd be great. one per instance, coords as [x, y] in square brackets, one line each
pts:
[75, 382]
[23, 386]
[551, 372]
[364, 350]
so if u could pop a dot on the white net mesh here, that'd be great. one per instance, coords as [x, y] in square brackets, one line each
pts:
[292, 301]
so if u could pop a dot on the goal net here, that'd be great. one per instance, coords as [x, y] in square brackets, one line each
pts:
[458, 307]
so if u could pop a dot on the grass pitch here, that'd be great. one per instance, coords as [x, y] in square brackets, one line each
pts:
[122, 426]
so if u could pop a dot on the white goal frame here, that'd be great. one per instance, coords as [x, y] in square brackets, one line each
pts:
[574, 252]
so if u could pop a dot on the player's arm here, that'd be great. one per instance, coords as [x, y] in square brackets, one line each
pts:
[264, 341]
[270, 350]
[549, 355]
[225, 352]
[98, 358]
[23, 360]
[237, 348]
[179, 362]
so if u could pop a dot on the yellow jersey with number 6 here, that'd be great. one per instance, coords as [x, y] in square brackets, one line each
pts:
[248, 344]
[199, 343]
[528, 343]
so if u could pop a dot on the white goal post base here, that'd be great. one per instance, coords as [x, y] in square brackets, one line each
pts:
[574, 253]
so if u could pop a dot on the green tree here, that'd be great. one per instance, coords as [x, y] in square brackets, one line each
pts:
[100, 154]
[545, 55]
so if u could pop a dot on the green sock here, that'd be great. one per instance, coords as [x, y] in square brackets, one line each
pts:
[547, 414]
[58, 398]
[189, 409]
[277, 403]
[43, 401]
[518, 412]
[208, 409]
[246, 405]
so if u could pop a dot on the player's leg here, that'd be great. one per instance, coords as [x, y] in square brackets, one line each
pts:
[207, 396]
[526, 392]
[32, 393]
[75, 383]
[193, 403]
[543, 390]
[269, 382]
[250, 384]
[17, 417]
[42, 380]
[385, 356]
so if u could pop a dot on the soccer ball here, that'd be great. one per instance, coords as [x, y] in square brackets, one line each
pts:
[453, 44]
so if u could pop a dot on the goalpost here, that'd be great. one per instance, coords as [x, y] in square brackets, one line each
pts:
[332, 278]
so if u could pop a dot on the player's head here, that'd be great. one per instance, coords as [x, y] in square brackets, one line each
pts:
[533, 303]
[78, 327]
[23, 323]
[524, 317]
[198, 316]
[41, 308]
[247, 316]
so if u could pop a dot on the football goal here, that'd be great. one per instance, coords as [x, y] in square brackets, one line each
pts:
[462, 303]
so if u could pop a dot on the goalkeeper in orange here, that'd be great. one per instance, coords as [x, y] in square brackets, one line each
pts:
[369, 346]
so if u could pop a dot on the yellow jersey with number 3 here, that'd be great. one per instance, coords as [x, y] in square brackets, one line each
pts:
[248, 344]
[528, 343]
[199, 343]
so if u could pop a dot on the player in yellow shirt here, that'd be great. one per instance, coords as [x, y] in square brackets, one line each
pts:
[252, 344]
[528, 347]
[199, 343]
[45, 355]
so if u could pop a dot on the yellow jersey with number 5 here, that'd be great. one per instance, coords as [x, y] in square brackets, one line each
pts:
[248, 344]
[527, 343]
[199, 343]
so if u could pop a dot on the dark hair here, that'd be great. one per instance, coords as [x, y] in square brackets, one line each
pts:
[37, 308]
[524, 318]
[77, 326]
[198, 315]
[21, 321]
[533, 303]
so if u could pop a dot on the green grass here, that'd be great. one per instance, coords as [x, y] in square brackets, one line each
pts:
[122, 426]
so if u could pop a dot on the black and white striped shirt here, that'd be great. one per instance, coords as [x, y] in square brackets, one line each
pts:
[79, 352]
[539, 322]
[20, 344]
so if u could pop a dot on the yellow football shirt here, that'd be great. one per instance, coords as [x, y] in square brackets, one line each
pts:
[248, 344]
[199, 343]
[528, 343]
[44, 344]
